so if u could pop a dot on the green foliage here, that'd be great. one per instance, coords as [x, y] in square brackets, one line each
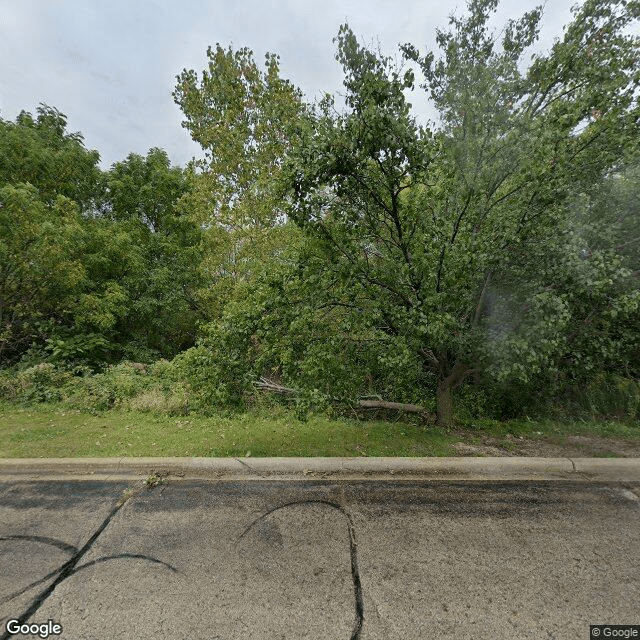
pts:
[62, 279]
[345, 254]
[245, 120]
[131, 385]
[146, 189]
[218, 370]
[93, 267]
[515, 398]
[142, 197]
[42, 270]
[41, 383]
[128, 385]
[40, 152]
[439, 237]
[604, 395]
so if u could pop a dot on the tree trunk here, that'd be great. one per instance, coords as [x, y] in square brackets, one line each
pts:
[444, 404]
[446, 385]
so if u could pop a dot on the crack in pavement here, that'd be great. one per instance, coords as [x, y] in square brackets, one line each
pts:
[353, 549]
[69, 568]
[575, 470]
[244, 464]
[54, 542]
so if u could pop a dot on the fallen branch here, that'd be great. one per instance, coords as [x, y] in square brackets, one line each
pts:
[269, 385]
[384, 404]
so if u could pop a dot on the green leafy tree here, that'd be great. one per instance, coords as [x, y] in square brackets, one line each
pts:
[142, 196]
[93, 267]
[145, 189]
[603, 285]
[245, 120]
[422, 229]
[41, 152]
[59, 279]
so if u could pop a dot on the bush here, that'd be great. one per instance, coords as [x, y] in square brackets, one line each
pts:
[156, 400]
[470, 402]
[112, 388]
[507, 400]
[606, 395]
[40, 383]
[128, 385]
[217, 372]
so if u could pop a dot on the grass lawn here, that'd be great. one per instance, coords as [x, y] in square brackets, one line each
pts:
[58, 432]
[47, 431]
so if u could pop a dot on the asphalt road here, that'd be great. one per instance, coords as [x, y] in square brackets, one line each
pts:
[325, 559]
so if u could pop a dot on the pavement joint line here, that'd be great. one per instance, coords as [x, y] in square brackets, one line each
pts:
[244, 464]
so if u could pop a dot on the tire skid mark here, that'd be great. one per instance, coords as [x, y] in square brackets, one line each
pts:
[353, 549]
[54, 542]
[134, 556]
[69, 567]
[15, 594]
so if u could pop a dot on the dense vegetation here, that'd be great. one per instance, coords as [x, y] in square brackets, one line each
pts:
[492, 258]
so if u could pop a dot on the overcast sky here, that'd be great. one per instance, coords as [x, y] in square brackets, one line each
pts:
[111, 66]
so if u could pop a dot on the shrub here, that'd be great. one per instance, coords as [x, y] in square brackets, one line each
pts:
[40, 383]
[611, 395]
[114, 387]
[156, 400]
[507, 400]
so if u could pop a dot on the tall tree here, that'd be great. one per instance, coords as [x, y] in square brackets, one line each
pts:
[94, 266]
[422, 226]
[143, 196]
[60, 279]
[41, 152]
[245, 120]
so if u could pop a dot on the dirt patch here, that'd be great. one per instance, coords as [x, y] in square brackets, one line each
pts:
[463, 449]
[572, 447]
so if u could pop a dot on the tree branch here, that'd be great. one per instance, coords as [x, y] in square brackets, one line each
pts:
[269, 385]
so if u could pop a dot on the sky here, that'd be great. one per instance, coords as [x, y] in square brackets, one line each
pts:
[110, 67]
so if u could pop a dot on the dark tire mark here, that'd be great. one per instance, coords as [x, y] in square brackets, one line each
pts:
[137, 556]
[54, 542]
[64, 572]
[353, 549]
[69, 567]
[15, 594]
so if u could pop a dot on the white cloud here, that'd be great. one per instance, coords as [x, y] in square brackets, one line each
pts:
[111, 66]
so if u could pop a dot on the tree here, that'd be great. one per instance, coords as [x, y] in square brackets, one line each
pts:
[420, 228]
[145, 189]
[245, 120]
[603, 285]
[40, 152]
[142, 196]
[60, 273]
[93, 267]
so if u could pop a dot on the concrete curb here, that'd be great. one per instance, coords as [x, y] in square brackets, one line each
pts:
[498, 468]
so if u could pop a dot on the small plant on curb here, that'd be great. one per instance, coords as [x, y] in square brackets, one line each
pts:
[153, 481]
[126, 494]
